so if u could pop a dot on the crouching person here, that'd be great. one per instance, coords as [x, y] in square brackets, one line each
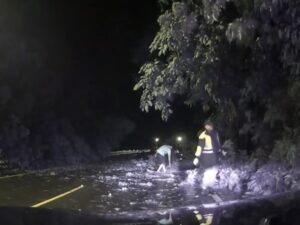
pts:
[162, 155]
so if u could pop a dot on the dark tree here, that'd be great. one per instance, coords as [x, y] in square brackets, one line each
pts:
[239, 60]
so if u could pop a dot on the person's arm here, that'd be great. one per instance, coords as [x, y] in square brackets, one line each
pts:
[218, 144]
[198, 151]
[169, 156]
[200, 145]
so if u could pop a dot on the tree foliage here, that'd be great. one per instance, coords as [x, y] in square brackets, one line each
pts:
[237, 58]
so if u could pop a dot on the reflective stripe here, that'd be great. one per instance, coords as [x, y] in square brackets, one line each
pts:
[208, 151]
[198, 151]
[209, 219]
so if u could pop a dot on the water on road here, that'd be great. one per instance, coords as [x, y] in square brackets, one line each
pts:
[114, 187]
[131, 192]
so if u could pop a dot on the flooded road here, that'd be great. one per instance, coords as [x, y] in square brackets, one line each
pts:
[114, 187]
[130, 192]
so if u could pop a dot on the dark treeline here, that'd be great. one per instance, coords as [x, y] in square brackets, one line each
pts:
[63, 76]
[238, 60]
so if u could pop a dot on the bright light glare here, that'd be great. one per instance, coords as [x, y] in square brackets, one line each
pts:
[156, 140]
[179, 139]
[209, 177]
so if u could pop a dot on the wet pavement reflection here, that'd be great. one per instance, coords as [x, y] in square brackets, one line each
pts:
[130, 192]
[116, 187]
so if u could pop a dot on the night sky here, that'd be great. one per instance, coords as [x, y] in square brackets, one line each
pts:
[80, 59]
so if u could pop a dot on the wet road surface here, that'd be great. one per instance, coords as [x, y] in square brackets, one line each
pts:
[129, 192]
[114, 187]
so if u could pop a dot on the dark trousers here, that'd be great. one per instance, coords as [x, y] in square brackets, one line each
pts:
[208, 160]
[160, 159]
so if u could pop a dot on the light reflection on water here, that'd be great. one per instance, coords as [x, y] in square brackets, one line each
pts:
[129, 190]
[118, 186]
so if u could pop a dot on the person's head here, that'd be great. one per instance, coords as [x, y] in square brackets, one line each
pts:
[209, 126]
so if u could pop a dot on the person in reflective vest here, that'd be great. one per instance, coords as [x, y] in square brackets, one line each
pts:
[161, 154]
[208, 147]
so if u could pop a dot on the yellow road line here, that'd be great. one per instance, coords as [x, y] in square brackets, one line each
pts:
[57, 197]
[14, 175]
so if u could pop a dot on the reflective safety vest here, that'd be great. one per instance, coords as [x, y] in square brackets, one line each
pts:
[204, 219]
[205, 145]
